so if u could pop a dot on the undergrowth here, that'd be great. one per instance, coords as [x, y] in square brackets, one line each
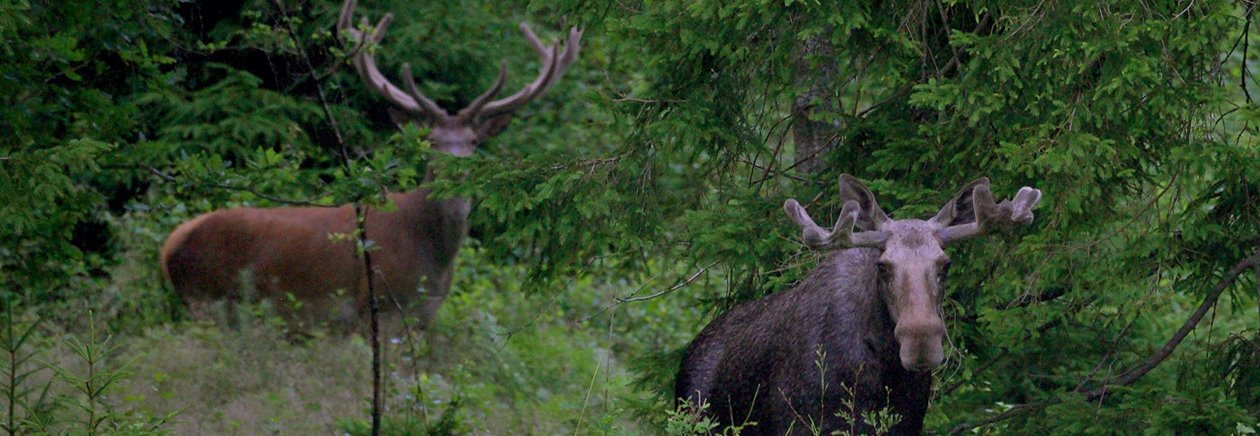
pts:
[498, 360]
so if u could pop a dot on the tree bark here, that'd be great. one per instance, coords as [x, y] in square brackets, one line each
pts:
[812, 137]
[374, 326]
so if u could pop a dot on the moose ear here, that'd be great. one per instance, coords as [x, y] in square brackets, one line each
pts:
[493, 125]
[961, 209]
[870, 215]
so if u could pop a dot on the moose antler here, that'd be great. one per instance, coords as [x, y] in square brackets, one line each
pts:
[554, 64]
[992, 216]
[841, 236]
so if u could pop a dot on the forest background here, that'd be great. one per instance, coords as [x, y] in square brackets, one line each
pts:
[633, 202]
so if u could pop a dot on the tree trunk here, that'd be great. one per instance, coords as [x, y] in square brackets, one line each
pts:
[812, 137]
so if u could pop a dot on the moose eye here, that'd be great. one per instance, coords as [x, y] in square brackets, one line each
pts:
[883, 268]
[944, 269]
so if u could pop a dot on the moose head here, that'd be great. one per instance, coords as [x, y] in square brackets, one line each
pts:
[912, 264]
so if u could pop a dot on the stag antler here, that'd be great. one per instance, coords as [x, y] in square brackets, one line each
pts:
[554, 64]
[365, 65]
[553, 68]
[991, 216]
[841, 236]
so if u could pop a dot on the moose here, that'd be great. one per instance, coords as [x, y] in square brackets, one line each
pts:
[861, 332]
[286, 254]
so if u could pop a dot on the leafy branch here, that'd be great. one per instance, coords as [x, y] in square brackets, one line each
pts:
[1154, 360]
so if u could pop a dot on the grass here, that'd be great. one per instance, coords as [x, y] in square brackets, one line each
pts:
[497, 361]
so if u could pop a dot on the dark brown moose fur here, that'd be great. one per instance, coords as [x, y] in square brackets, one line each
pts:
[759, 361]
[860, 334]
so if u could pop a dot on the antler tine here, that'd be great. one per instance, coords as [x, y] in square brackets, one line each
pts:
[572, 47]
[554, 65]
[532, 38]
[431, 108]
[365, 65]
[842, 236]
[1024, 202]
[345, 21]
[467, 114]
[524, 95]
[992, 216]
[814, 236]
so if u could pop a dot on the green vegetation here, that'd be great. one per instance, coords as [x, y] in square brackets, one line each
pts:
[631, 203]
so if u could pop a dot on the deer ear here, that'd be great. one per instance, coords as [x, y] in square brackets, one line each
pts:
[871, 216]
[961, 209]
[400, 118]
[493, 125]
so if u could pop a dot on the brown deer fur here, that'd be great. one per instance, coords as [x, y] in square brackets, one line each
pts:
[288, 256]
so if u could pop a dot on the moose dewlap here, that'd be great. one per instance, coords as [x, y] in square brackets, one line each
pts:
[861, 333]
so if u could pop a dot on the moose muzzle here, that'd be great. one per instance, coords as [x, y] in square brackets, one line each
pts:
[921, 343]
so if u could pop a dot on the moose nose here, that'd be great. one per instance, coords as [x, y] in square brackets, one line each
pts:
[920, 342]
[921, 366]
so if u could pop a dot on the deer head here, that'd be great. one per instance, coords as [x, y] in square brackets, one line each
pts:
[456, 134]
[912, 264]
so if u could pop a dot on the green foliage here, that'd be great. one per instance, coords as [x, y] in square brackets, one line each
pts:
[45, 395]
[95, 383]
[1121, 118]
[27, 404]
[689, 419]
[656, 168]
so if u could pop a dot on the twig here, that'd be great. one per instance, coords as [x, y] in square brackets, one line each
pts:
[507, 336]
[778, 147]
[1026, 300]
[361, 216]
[374, 309]
[319, 87]
[632, 99]
[617, 301]
[169, 178]
[948, 41]
[1242, 75]
[1154, 360]
[1019, 409]
[983, 367]
[895, 95]
[1132, 375]
[769, 172]
[676, 287]
[1172, 182]
[586, 399]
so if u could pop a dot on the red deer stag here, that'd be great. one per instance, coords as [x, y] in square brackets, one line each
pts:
[869, 313]
[284, 253]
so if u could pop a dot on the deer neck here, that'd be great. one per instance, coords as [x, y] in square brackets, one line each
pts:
[441, 224]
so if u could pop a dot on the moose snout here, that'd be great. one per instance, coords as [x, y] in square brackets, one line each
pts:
[921, 348]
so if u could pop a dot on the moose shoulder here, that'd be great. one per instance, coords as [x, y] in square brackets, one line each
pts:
[861, 333]
[285, 253]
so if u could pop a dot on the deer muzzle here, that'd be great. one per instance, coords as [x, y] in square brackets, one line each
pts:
[921, 343]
